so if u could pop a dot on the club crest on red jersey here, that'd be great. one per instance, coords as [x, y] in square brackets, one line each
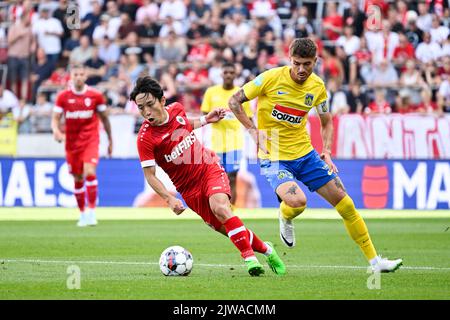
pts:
[87, 102]
[181, 120]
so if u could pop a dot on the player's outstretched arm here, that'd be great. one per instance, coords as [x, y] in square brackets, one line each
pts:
[56, 122]
[107, 125]
[175, 204]
[211, 117]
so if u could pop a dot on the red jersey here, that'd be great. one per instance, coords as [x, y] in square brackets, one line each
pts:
[175, 148]
[80, 111]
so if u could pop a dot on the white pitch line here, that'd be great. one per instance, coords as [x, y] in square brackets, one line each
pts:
[201, 264]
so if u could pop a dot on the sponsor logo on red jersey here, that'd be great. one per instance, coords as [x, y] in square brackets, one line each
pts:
[288, 114]
[79, 114]
[185, 144]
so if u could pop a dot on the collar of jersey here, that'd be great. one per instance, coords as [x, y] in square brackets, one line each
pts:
[72, 88]
[167, 119]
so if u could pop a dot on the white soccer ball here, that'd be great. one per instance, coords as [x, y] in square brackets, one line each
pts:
[176, 261]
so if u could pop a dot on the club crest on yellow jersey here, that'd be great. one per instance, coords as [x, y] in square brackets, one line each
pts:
[309, 98]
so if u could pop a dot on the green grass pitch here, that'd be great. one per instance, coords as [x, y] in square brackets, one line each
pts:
[118, 259]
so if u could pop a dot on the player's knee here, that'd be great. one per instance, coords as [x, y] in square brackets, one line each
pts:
[295, 202]
[222, 211]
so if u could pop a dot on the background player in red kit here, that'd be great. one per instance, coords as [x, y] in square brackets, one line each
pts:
[166, 138]
[82, 106]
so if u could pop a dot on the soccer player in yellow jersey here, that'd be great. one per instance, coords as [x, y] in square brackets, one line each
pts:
[226, 135]
[285, 96]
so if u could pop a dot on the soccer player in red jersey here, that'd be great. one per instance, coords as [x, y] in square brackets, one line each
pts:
[166, 138]
[82, 107]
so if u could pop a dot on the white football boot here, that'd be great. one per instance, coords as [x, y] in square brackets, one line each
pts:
[91, 220]
[385, 265]
[287, 234]
[83, 220]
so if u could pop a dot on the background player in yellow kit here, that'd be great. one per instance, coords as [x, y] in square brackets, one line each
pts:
[285, 96]
[226, 137]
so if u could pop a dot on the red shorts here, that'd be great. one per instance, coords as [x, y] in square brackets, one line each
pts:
[76, 158]
[214, 181]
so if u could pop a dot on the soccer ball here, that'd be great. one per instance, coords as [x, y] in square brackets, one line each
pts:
[176, 261]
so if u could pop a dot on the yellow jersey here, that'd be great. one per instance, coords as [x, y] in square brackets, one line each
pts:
[283, 107]
[227, 133]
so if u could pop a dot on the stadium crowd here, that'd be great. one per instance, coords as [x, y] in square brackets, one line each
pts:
[376, 56]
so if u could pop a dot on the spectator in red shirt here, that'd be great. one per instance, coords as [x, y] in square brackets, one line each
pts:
[333, 22]
[379, 105]
[201, 50]
[403, 52]
[60, 77]
[195, 80]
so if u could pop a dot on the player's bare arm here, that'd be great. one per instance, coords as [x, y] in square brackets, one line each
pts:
[175, 204]
[107, 125]
[326, 123]
[214, 116]
[235, 105]
[56, 122]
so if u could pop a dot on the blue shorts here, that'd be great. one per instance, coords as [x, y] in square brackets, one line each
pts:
[230, 160]
[309, 169]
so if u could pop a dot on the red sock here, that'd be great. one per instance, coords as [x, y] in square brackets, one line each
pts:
[91, 189]
[257, 244]
[238, 235]
[80, 194]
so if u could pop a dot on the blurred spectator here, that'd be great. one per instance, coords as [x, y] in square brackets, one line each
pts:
[8, 101]
[148, 30]
[444, 69]
[133, 69]
[285, 9]
[82, 53]
[414, 34]
[438, 32]
[403, 102]
[262, 9]
[382, 43]
[115, 20]
[199, 11]
[195, 31]
[336, 98]
[431, 75]
[446, 47]
[236, 32]
[91, 20]
[86, 7]
[403, 51]
[354, 17]
[168, 84]
[401, 11]
[21, 114]
[149, 9]
[411, 77]
[265, 34]
[424, 19]
[384, 75]
[215, 71]
[331, 66]
[172, 49]
[21, 46]
[216, 32]
[356, 99]
[60, 77]
[427, 105]
[428, 51]
[41, 70]
[361, 63]
[41, 114]
[249, 56]
[18, 8]
[333, 22]
[443, 96]
[60, 13]
[172, 8]
[303, 27]
[395, 20]
[71, 43]
[236, 6]
[379, 105]
[348, 41]
[194, 80]
[127, 26]
[201, 50]
[49, 31]
[129, 7]
[109, 52]
[96, 68]
[102, 30]
[171, 25]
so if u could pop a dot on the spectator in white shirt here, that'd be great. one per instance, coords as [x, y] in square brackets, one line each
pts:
[236, 32]
[148, 9]
[48, 31]
[438, 32]
[423, 21]
[428, 51]
[173, 8]
[348, 41]
[8, 101]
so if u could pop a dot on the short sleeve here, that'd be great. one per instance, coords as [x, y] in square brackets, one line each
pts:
[101, 102]
[206, 103]
[256, 87]
[145, 150]
[59, 104]
[321, 102]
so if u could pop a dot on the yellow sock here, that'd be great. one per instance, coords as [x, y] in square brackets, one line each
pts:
[290, 213]
[356, 227]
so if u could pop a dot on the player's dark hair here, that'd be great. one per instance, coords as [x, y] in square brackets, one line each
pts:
[147, 85]
[228, 64]
[303, 48]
